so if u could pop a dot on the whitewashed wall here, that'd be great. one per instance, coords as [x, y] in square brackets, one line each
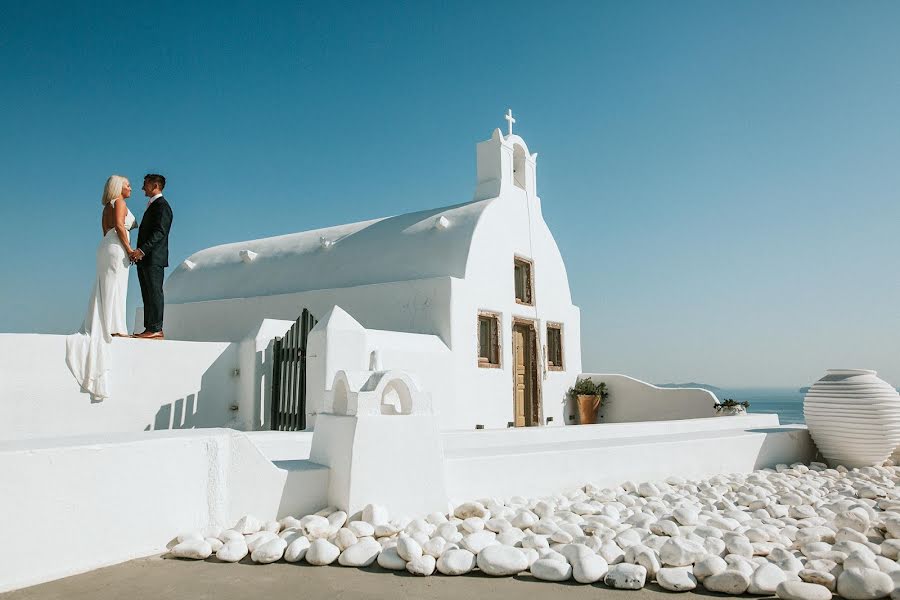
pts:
[631, 400]
[485, 396]
[109, 498]
[155, 385]
[417, 306]
[339, 342]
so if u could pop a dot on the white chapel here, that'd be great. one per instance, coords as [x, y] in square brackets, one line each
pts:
[473, 299]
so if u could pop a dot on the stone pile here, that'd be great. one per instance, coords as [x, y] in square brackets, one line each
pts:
[800, 532]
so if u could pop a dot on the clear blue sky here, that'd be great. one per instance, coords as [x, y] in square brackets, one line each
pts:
[723, 178]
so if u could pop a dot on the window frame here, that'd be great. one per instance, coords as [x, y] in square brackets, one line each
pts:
[496, 345]
[529, 281]
[562, 355]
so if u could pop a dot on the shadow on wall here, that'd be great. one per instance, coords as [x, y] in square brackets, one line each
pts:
[785, 446]
[209, 406]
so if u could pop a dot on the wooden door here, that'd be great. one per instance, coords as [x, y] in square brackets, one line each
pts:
[521, 381]
[526, 396]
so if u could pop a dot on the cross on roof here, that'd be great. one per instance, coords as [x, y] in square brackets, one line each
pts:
[509, 118]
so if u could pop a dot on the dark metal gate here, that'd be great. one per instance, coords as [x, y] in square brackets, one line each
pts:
[289, 376]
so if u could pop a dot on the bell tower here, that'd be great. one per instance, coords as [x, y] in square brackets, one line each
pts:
[504, 164]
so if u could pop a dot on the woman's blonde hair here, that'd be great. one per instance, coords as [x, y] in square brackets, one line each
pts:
[113, 188]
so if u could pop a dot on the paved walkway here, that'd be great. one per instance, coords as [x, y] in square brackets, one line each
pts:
[173, 579]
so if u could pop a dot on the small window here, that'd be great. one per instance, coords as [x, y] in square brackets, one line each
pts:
[523, 280]
[554, 347]
[488, 340]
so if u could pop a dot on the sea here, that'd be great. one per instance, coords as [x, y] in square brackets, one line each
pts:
[786, 403]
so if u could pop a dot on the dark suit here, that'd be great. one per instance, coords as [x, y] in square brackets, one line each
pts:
[153, 241]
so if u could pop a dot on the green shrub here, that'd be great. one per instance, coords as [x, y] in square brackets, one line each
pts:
[729, 403]
[586, 387]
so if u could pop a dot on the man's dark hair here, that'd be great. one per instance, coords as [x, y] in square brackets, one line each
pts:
[156, 179]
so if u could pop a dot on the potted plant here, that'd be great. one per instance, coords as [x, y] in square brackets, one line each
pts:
[731, 407]
[589, 396]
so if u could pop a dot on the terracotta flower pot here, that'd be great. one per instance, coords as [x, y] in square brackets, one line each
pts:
[587, 409]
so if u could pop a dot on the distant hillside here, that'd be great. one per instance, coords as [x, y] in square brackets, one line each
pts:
[692, 384]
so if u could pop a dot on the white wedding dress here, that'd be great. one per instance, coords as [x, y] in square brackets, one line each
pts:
[88, 351]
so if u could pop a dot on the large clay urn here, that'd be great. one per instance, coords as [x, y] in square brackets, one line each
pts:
[854, 417]
[587, 409]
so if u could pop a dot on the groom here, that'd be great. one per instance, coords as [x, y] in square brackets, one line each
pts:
[152, 255]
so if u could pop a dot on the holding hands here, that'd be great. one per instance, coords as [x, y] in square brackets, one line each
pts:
[135, 256]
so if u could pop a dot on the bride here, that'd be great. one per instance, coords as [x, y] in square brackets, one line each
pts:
[87, 352]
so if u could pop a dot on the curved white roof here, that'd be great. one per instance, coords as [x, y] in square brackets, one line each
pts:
[399, 248]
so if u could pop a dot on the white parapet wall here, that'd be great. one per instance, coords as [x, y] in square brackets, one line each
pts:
[80, 503]
[548, 460]
[154, 385]
[631, 400]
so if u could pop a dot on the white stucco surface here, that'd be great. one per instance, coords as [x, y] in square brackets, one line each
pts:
[397, 248]
[631, 400]
[154, 385]
[113, 497]
[545, 464]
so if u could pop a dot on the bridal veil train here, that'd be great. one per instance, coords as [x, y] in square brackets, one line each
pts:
[88, 351]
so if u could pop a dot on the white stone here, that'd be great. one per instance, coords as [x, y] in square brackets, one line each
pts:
[473, 524]
[375, 514]
[408, 548]
[510, 537]
[676, 579]
[548, 569]
[765, 580]
[801, 590]
[471, 509]
[552, 554]
[197, 549]
[709, 565]
[389, 559]
[343, 539]
[337, 519]
[864, 584]
[322, 552]
[361, 529]
[727, 582]
[248, 524]
[296, 550]
[860, 560]
[686, 516]
[589, 568]
[646, 557]
[823, 578]
[739, 545]
[501, 561]
[255, 540]
[434, 547]
[215, 543]
[233, 551]
[626, 576]
[611, 552]
[272, 526]
[476, 542]
[189, 535]
[269, 552]
[531, 554]
[360, 554]
[421, 565]
[681, 552]
[230, 535]
[456, 562]
[316, 526]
